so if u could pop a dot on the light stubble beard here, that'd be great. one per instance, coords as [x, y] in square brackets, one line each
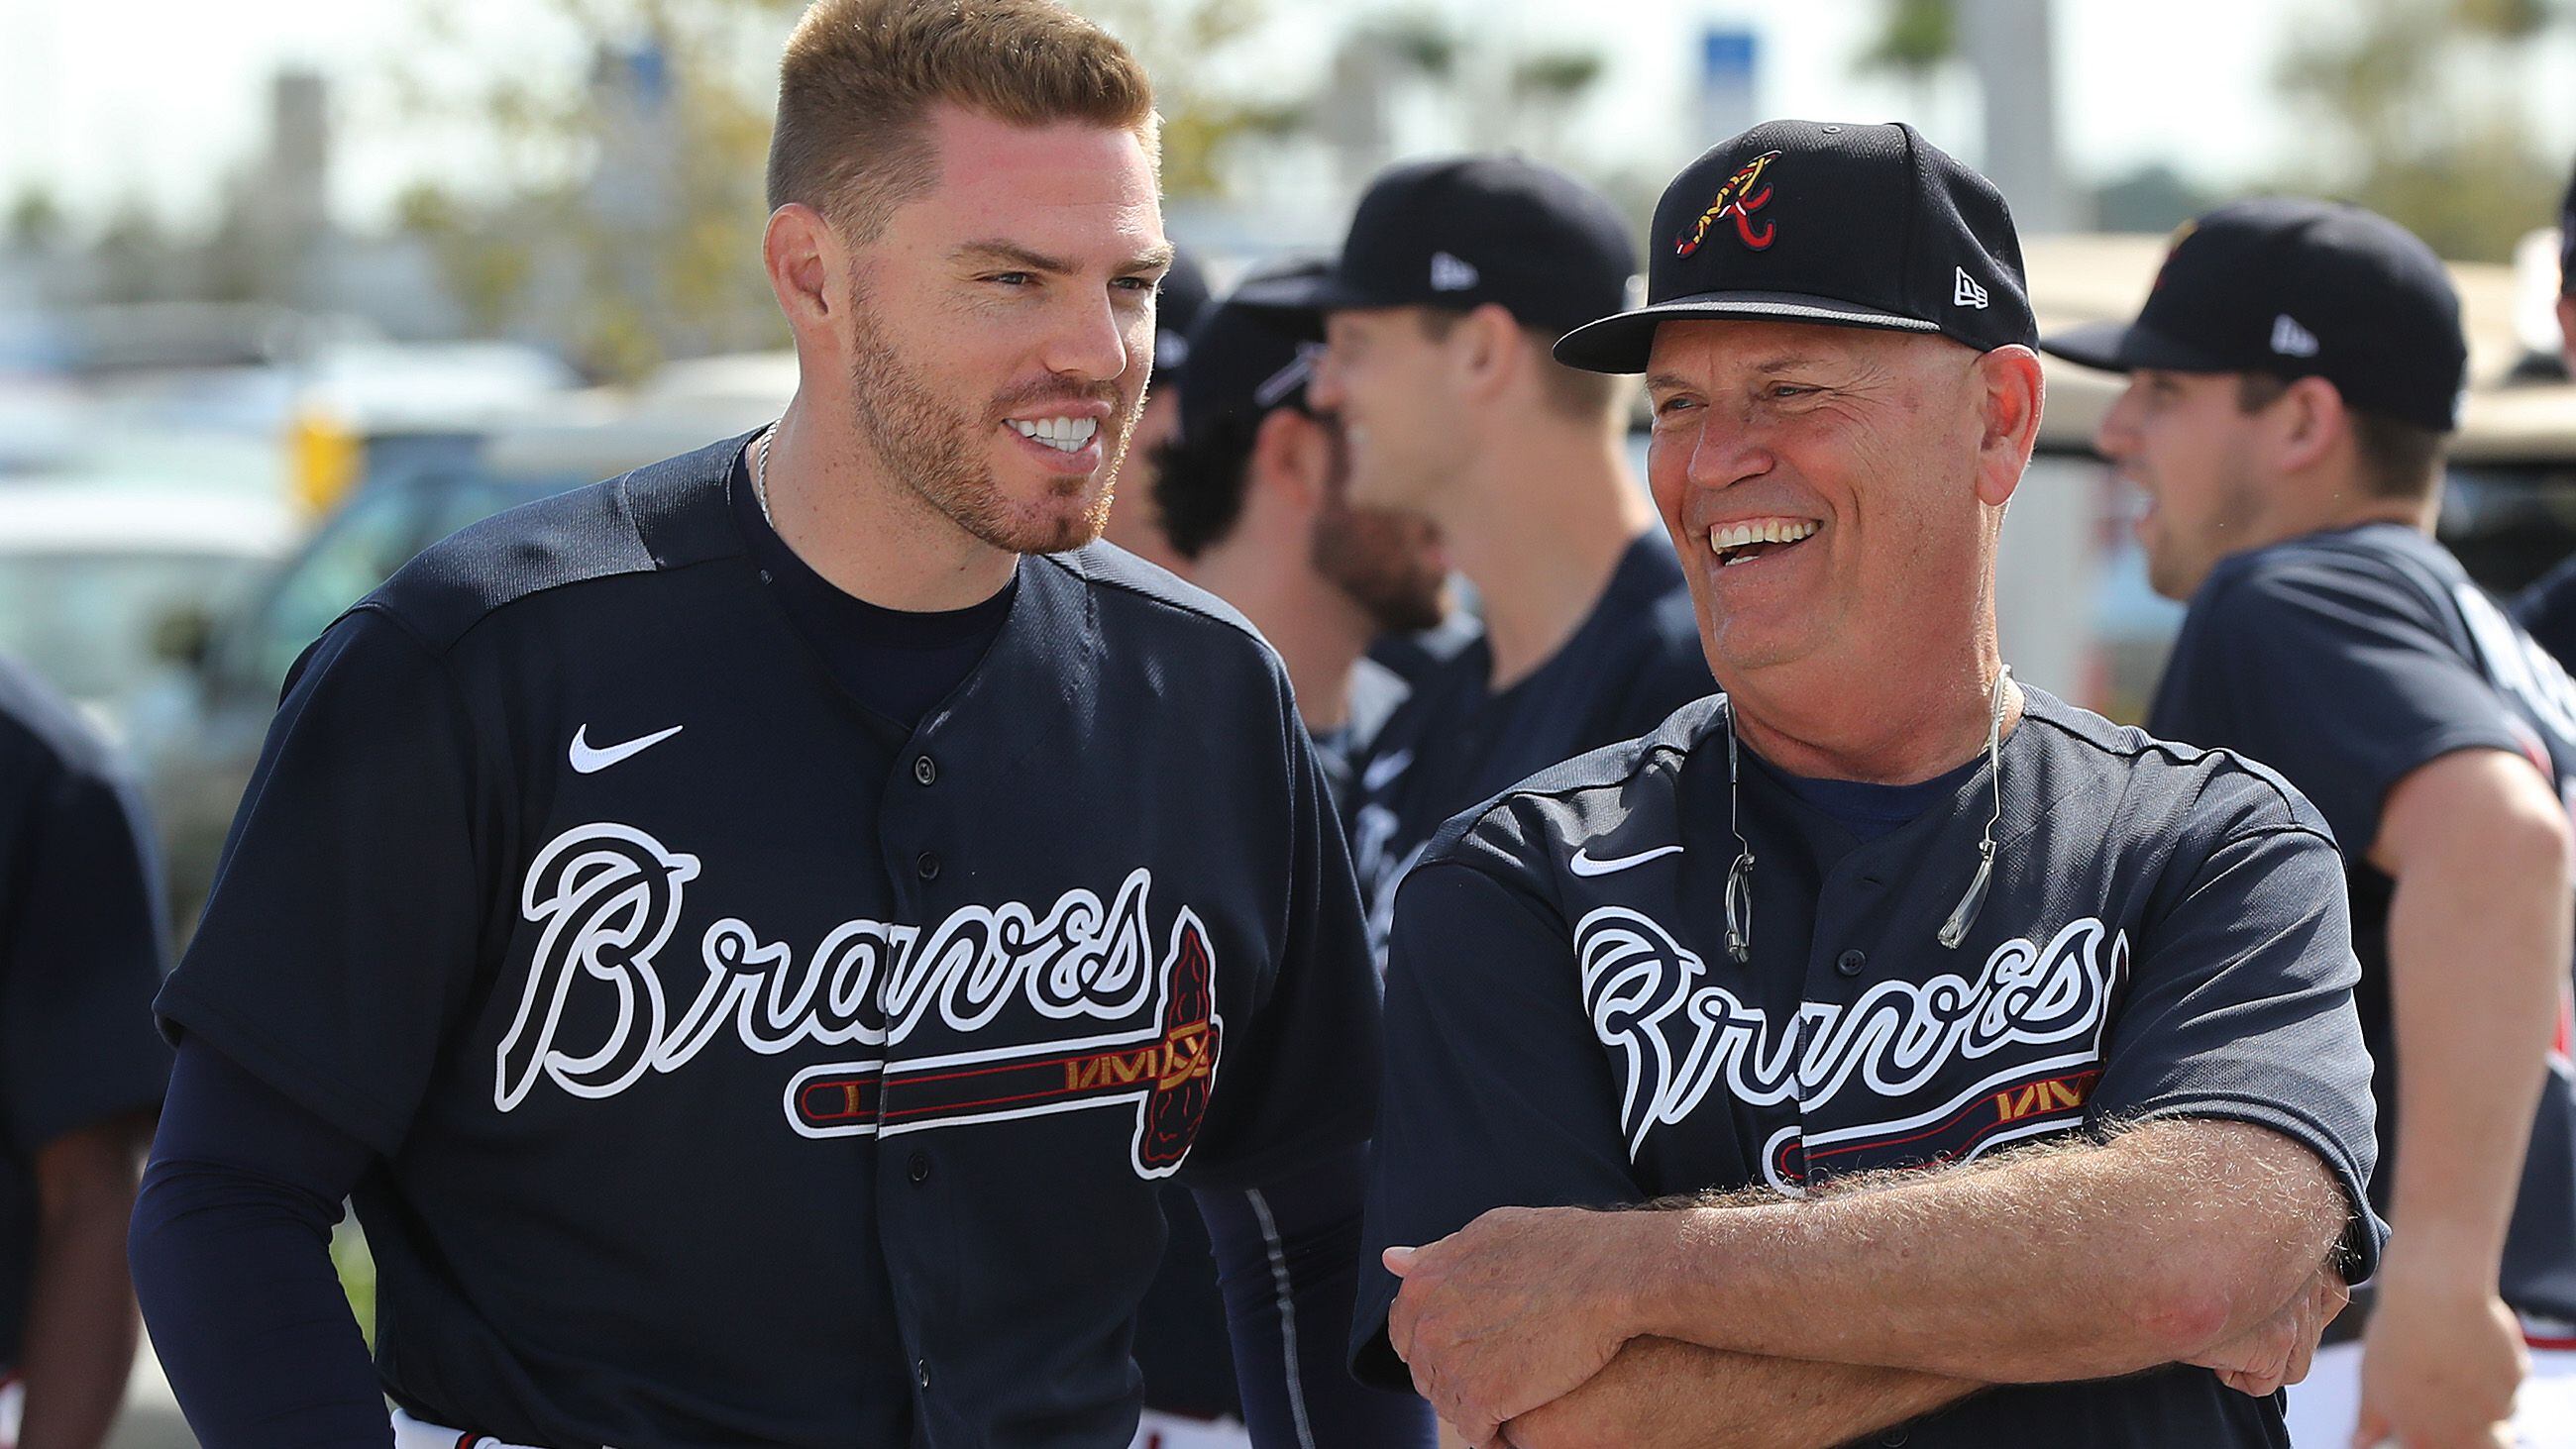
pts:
[935, 450]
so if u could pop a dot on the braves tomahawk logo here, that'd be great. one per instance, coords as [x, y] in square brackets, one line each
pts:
[607, 900]
[1675, 1035]
[1738, 199]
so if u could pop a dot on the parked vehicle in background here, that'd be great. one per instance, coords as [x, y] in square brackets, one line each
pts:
[200, 734]
[90, 573]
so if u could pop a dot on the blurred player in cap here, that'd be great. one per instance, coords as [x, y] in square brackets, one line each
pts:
[1958, 1066]
[1454, 281]
[2292, 377]
[1135, 522]
[1254, 492]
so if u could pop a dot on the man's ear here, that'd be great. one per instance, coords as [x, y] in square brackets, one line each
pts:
[2312, 422]
[1489, 351]
[1289, 461]
[2011, 392]
[808, 269]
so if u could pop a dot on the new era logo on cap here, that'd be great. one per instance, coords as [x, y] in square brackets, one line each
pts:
[2292, 340]
[1450, 274]
[1964, 291]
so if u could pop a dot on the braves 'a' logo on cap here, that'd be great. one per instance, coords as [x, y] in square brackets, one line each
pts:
[1738, 199]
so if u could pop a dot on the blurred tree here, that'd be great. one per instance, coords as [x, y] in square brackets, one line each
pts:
[627, 230]
[2427, 117]
[1917, 40]
[35, 219]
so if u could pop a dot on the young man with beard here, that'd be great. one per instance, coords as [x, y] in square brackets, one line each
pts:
[1987, 1074]
[1455, 279]
[1254, 491]
[754, 935]
[2291, 379]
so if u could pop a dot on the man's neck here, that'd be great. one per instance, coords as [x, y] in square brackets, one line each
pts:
[1319, 633]
[1539, 532]
[835, 504]
[1865, 720]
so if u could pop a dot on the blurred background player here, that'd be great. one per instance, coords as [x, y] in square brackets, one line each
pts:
[1135, 522]
[81, 1070]
[1252, 490]
[1254, 494]
[1455, 281]
[2292, 377]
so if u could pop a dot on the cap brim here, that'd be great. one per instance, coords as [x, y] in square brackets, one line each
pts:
[1299, 304]
[2126, 347]
[1622, 342]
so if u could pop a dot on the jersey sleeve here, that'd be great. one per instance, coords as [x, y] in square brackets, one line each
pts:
[1496, 1094]
[2340, 678]
[1299, 1082]
[83, 957]
[336, 952]
[2240, 1007]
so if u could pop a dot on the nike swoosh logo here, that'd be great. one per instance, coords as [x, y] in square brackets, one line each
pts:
[590, 761]
[1380, 772]
[1583, 864]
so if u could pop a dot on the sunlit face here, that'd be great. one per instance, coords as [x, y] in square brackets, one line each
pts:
[1385, 376]
[2186, 443]
[1819, 484]
[1388, 562]
[1003, 326]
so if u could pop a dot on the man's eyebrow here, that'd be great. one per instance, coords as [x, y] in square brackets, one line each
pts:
[1656, 380]
[1012, 254]
[1787, 364]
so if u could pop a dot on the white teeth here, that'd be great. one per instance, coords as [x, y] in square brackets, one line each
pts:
[1066, 435]
[1724, 536]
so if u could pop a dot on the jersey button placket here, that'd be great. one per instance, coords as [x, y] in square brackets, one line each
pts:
[926, 865]
[1850, 963]
[919, 1169]
[925, 770]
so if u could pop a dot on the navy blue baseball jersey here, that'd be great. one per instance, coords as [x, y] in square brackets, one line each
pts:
[2165, 936]
[744, 1071]
[1455, 740]
[2345, 660]
[81, 928]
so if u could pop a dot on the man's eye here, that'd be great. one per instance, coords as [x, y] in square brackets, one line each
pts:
[1790, 390]
[1136, 284]
[1013, 279]
[1671, 405]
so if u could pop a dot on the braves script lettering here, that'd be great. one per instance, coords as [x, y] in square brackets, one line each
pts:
[1675, 1034]
[607, 898]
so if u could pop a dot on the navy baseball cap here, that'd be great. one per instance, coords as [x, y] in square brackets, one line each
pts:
[1846, 225]
[1459, 233]
[1178, 302]
[2298, 288]
[1243, 363]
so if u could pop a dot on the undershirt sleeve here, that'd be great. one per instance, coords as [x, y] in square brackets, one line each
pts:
[231, 1255]
[1286, 1256]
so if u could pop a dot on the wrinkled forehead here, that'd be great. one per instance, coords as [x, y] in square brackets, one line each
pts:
[1711, 353]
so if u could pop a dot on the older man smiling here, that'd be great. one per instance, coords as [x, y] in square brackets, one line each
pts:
[1992, 1071]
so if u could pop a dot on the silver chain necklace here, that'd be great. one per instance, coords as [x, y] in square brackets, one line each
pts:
[760, 474]
[1739, 874]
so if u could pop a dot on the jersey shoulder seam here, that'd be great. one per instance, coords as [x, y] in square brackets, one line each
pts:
[2185, 755]
[1090, 580]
